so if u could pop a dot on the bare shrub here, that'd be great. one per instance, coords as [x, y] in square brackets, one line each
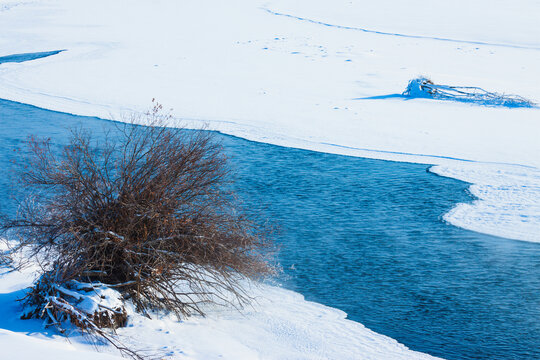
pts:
[148, 212]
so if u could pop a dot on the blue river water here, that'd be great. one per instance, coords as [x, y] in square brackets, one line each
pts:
[18, 58]
[366, 236]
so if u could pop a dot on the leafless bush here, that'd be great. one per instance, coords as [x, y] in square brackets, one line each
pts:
[148, 212]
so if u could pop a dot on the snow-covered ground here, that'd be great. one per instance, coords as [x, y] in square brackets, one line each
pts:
[319, 75]
[279, 325]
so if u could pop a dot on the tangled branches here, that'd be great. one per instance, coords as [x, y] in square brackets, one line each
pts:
[148, 212]
[90, 307]
[425, 88]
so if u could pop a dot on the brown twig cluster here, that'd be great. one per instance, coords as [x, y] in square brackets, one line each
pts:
[148, 211]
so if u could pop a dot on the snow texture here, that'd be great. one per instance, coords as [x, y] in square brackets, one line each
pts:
[279, 325]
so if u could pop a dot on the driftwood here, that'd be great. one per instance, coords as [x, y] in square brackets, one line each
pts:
[425, 88]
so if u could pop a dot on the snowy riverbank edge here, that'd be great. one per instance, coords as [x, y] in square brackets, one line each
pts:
[281, 324]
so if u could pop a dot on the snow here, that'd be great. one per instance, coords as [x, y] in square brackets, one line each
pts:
[318, 75]
[29, 347]
[100, 298]
[507, 196]
[282, 325]
[279, 325]
[26, 339]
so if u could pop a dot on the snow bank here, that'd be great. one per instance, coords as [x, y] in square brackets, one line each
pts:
[20, 346]
[508, 196]
[280, 325]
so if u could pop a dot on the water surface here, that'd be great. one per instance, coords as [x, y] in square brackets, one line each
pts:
[366, 236]
[19, 58]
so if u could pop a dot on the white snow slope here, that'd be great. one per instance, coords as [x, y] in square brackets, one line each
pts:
[280, 325]
[295, 73]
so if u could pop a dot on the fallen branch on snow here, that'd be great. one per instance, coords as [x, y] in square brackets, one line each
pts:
[424, 88]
